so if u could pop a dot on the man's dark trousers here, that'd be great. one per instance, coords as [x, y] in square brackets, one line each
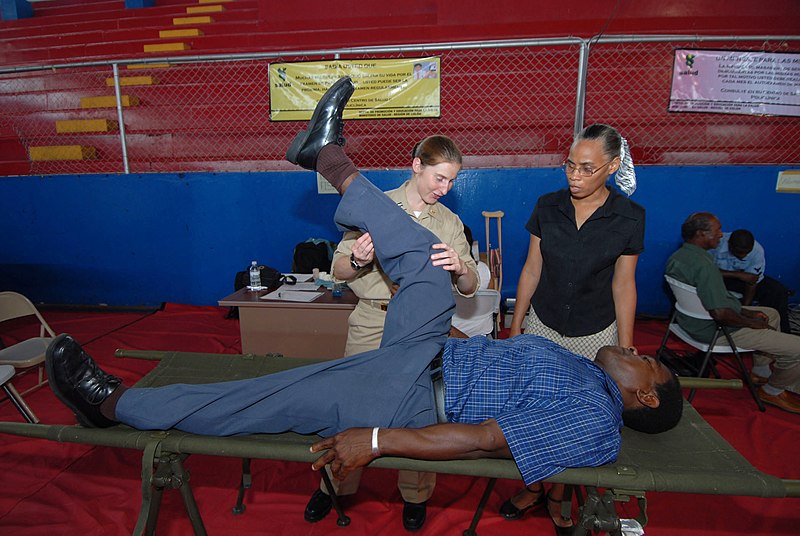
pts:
[387, 387]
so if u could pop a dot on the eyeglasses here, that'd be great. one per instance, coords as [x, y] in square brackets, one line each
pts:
[583, 171]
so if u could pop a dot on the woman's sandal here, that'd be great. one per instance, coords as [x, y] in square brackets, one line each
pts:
[560, 531]
[511, 512]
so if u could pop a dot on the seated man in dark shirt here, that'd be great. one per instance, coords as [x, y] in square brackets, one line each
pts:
[741, 260]
[524, 398]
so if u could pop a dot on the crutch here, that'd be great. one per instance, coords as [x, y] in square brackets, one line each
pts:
[494, 258]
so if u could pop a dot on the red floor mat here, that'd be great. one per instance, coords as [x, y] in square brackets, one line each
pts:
[75, 489]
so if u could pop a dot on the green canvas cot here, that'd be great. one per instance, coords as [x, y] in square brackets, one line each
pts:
[691, 458]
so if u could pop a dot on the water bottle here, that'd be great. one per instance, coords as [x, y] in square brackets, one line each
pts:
[255, 277]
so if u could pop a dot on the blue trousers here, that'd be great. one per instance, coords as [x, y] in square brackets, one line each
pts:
[387, 387]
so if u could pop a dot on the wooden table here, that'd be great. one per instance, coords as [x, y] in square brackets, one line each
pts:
[295, 329]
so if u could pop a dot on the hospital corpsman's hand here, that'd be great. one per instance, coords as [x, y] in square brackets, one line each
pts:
[346, 451]
[448, 259]
[363, 250]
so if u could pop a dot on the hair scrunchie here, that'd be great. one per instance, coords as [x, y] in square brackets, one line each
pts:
[626, 175]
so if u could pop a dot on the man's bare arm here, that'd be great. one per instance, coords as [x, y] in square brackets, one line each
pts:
[352, 448]
[744, 277]
[750, 281]
[747, 319]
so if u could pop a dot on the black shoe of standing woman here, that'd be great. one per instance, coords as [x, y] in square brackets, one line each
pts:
[325, 126]
[560, 530]
[511, 512]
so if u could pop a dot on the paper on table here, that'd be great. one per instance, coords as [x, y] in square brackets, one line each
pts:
[309, 285]
[302, 277]
[292, 295]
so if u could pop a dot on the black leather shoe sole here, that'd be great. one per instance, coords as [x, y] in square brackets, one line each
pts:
[297, 145]
[414, 516]
[318, 507]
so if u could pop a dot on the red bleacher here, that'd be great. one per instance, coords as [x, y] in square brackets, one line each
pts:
[92, 30]
[64, 31]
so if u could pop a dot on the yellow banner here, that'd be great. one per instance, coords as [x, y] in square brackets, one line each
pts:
[385, 88]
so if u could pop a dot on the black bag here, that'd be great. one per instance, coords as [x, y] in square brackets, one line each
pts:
[312, 254]
[270, 278]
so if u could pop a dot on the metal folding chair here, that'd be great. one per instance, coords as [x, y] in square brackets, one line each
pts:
[29, 353]
[6, 373]
[688, 303]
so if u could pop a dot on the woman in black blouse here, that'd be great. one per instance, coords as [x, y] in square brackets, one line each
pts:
[578, 283]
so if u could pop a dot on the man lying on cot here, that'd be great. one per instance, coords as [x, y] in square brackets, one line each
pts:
[524, 398]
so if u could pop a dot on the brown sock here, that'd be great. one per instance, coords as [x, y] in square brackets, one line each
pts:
[335, 166]
[108, 407]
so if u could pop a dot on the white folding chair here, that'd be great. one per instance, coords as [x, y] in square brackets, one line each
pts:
[688, 303]
[478, 315]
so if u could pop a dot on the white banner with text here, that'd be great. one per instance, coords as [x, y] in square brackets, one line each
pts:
[753, 83]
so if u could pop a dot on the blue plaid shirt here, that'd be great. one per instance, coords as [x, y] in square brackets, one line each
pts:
[556, 409]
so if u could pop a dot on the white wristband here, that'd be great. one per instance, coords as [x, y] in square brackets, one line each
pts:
[375, 450]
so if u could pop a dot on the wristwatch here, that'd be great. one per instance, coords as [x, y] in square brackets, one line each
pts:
[353, 262]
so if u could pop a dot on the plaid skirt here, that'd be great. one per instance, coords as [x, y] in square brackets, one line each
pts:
[585, 345]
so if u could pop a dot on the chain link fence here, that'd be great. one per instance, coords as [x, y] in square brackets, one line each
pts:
[628, 86]
[506, 106]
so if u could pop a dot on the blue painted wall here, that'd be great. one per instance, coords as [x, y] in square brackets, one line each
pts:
[147, 239]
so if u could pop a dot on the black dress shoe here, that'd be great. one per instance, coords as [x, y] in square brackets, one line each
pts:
[414, 515]
[325, 126]
[78, 382]
[511, 512]
[318, 506]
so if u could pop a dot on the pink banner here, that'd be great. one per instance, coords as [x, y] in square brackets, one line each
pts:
[753, 83]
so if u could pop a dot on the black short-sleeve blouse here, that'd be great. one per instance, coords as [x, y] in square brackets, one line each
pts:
[574, 294]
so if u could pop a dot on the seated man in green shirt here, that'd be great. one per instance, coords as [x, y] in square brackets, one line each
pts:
[750, 327]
